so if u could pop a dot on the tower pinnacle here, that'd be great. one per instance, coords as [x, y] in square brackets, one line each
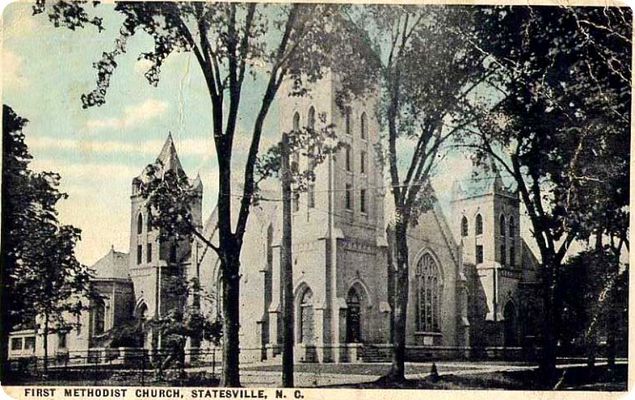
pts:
[168, 157]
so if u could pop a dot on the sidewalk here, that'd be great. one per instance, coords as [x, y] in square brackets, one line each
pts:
[264, 378]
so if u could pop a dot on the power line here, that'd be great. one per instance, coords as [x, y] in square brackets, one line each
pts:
[361, 225]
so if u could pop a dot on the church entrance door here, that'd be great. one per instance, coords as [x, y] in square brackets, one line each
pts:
[353, 317]
[511, 336]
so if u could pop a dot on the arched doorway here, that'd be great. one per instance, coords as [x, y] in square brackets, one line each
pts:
[141, 327]
[511, 335]
[353, 317]
[305, 318]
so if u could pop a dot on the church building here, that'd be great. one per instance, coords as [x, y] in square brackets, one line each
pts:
[473, 279]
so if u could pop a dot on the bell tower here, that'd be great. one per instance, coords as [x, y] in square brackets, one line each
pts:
[486, 223]
[152, 260]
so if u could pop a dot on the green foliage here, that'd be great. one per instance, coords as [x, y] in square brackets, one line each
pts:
[586, 287]
[183, 321]
[564, 75]
[426, 73]
[313, 143]
[40, 272]
[41, 277]
[169, 197]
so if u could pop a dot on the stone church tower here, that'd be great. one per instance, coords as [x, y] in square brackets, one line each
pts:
[339, 245]
[487, 220]
[153, 261]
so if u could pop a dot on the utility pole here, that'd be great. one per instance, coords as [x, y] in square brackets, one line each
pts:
[287, 269]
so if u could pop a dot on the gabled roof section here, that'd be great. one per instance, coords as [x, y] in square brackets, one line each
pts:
[113, 265]
[477, 186]
[198, 183]
[483, 182]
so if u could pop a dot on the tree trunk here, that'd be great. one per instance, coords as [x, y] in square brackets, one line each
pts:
[397, 369]
[287, 270]
[231, 319]
[46, 342]
[591, 339]
[591, 347]
[548, 359]
[611, 325]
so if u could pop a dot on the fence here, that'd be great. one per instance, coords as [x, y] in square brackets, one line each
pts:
[125, 366]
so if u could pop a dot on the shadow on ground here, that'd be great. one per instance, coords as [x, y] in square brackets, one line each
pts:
[574, 378]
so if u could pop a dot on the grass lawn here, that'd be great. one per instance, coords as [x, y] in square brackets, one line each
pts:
[575, 378]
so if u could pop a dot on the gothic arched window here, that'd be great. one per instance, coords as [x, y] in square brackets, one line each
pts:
[149, 222]
[479, 225]
[306, 318]
[364, 126]
[503, 246]
[512, 241]
[140, 224]
[99, 318]
[296, 122]
[464, 226]
[512, 227]
[429, 288]
[311, 118]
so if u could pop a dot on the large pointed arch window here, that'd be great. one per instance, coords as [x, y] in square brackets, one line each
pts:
[429, 289]
[306, 334]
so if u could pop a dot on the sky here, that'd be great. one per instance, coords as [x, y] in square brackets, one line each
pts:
[99, 150]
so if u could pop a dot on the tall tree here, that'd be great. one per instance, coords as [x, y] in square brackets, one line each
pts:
[15, 193]
[41, 277]
[315, 144]
[427, 74]
[230, 42]
[564, 76]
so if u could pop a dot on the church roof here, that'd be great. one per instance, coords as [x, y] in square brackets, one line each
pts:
[168, 157]
[198, 183]
[480, 183]
[476, 186]
[113, 265]
[169, 161]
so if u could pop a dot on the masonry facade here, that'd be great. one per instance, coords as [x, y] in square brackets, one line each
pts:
[473, 279]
